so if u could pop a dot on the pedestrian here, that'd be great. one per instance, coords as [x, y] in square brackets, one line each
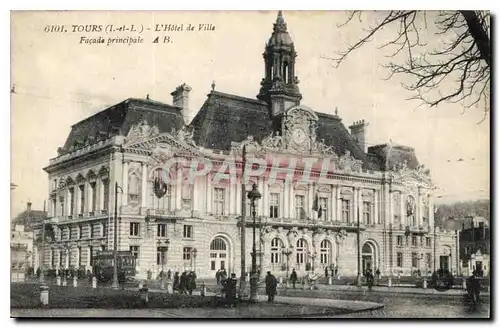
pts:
[377, 273]
[191, 282]
[230, 290]
[336, 271]
[369, 279]
[183, 283]
[169, 274]
[217, 277]
[176, 282]
[271, 285]
[473, 287]
[293, 278]
[122, 278]
[326, 272]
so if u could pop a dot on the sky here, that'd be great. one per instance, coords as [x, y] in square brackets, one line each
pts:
[59, 81]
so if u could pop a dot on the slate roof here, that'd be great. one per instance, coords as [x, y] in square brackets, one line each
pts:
[118, 119]
[398, 154]
[225, 117]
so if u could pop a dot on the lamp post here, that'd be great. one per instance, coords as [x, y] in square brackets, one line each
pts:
[287, 252]
[254, 195]
[115, 284]
[163, 248]
[313, 257]
[194, 252]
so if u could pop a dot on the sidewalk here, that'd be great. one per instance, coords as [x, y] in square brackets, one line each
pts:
[348, 306]
[383, 289]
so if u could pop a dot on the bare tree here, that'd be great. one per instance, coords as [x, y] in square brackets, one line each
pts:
[455, 70]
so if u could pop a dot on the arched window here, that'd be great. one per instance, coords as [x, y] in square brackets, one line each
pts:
[285, 72]
[218, 254]
[276, 251]
[301, 251]
[325, 251]
[218, 244]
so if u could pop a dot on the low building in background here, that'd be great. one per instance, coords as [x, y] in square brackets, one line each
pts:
[31, 220]
[474, 243]
[21, 252]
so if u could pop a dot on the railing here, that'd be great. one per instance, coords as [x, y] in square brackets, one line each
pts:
[303, 223]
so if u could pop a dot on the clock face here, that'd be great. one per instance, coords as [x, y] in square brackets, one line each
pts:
[299, 136]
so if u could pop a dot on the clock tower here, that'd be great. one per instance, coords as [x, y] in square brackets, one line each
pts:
[279, 87]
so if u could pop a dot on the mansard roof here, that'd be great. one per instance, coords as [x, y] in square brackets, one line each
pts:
[119, 118]
[224, 118]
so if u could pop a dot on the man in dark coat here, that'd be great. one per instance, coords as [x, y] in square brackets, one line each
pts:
[369, 279]
[176, 281]
[191, 282]
[271, 285]
[293, 278]
[473, 287]
[183, 283]
[217, 276]
[230, 289]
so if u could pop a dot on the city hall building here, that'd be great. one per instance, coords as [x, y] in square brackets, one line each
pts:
[320, 186]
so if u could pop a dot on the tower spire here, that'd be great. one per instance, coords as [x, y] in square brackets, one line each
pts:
[279, 87]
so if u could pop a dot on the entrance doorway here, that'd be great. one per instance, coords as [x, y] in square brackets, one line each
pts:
[367, 258]
[444, 262]
[218, 254]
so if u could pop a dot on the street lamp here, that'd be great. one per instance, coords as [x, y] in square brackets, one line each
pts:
[193, 253]
[313, 257]
[254, 195]
[115, 284]
[287, 252]
[163, 248]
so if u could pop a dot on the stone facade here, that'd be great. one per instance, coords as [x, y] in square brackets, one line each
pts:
[324, 201]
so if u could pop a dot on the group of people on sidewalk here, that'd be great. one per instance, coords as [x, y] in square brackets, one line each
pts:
[185, 283]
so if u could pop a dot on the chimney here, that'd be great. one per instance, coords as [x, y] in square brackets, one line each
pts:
[180, 98]
[358, 132]
[28, 206]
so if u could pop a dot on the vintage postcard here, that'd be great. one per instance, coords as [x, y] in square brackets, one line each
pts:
[250, 164]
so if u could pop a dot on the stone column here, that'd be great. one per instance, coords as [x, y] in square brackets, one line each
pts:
[419, 208]
[77, 192]
[178, 189]
[144, 185]
[239, 210]
[88, 197]
[431, 211]
[333, 203]
[208, 193]
[125, 184]
[101, 194]
[376, 216]
[286, 200]
[355, 206]
[310, 199]
[403, 211]
[260, 205]
[339, 204]
[265, 198]
[390, 206]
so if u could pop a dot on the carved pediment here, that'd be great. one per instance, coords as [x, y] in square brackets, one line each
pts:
[142, 131]
[252, 147]
[367, 192]
[413, 179]
[347, 163]
[161, 146]
[324, 188]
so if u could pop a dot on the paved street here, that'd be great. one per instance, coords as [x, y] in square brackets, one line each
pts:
[325, 302]
[403, 305]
